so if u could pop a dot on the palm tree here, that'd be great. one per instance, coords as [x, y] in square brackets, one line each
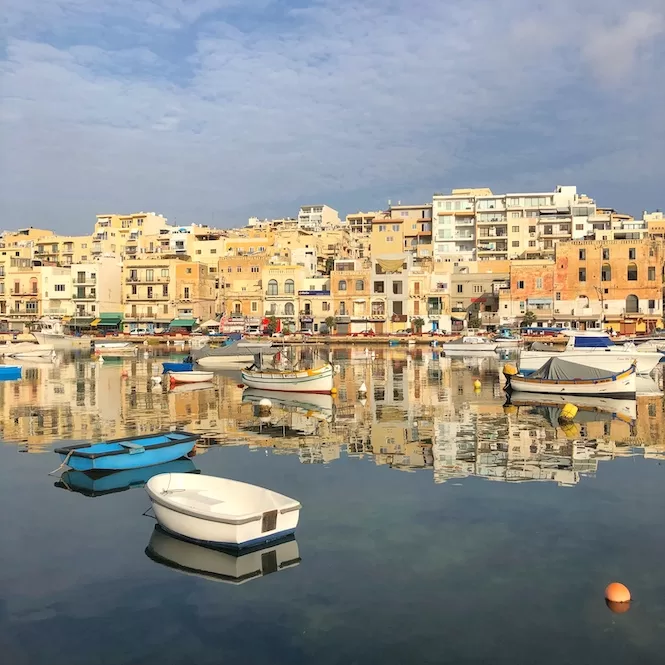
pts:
[529, 319]
[330, 322]
[418, 324]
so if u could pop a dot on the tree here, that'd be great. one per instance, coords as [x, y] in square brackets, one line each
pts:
[330, 322]
[272, 325]
[330, 264]
[529, 319]
[418, 324]
[475, 321]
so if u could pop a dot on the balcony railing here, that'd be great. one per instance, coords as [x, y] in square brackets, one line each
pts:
[434, 311]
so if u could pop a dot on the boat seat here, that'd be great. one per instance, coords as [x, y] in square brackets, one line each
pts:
[195, 499]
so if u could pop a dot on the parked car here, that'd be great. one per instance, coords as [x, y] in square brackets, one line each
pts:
[305, 332]
[363, 333]
[278, 334]
[140, 331]
[404, 331]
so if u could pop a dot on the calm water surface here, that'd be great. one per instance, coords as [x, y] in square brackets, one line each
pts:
[439, 524]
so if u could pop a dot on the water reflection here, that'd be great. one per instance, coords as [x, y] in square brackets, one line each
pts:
[421, 412]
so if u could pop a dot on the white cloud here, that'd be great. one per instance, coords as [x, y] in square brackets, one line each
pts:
[210, 116]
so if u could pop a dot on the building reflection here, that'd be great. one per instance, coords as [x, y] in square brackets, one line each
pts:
[421, 412]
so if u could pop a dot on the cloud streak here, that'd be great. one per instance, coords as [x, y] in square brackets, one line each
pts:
[216, 109]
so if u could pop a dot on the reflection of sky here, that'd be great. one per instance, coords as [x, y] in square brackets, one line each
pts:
[394, 569]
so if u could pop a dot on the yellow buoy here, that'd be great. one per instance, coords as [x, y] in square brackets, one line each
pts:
[568, 412]
[333, 391]
[509, 369]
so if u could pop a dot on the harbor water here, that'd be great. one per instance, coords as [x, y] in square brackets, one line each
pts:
[441, 523]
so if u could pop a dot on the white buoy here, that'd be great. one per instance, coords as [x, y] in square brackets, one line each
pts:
[363, 401]
[101, 360]
[156, 379]
[264, 407]
[363, 388]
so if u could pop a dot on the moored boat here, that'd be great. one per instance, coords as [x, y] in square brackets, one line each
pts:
[594, 349]
[506, 339]
[469, 346]
[190, 376]
[236, 567]
[26, 349]
[99, 484]
[177, 367]
[113, 348]
[232, 352]
[318, 380]
[559, 376]
[130, 452]
[220, 512]
[10, 372]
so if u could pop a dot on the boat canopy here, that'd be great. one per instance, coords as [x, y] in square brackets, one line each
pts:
[595, 342]
[557, 369]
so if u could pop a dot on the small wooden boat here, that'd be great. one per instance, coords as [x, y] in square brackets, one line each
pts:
[558, 376]
[469, 346]
[177, 367]
[190, 376]
[235, 567]
[220, 512]
[94, 484]
[10, 372]
[319, 380]
[130, 452]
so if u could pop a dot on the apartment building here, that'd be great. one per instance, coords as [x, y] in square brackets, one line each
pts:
[416, 227]
[387, 237]
[454, 223]
[97, 293]
[125, 235]
[280, 285]
[350, 286]
[474, 299]
[389, 300]
[240, 287]
[316, 303]
[360, 223]
[317, 217]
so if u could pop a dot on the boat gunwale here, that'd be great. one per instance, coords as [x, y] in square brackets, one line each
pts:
[619, 376]
[75, 450]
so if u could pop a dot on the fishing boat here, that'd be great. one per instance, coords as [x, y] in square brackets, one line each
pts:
[25, 349]
[232, 352]
[220, 512]
[99, 484]
[10, 372]
[191, 376]
[177, 367]
[235, 567]
[506, 339]
[559, 376]
[594, 349]
[52, 331]
[318, 380]
[130, 452]
[469, 345]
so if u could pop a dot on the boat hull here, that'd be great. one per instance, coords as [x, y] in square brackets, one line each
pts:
[623, 385]
[186, 557]
[63, 342]
[310, 381]
[612, 361]
[182, 509]
[467, 350]
[190, 377]
[112, 456]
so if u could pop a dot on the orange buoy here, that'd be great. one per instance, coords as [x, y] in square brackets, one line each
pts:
[617, 593]
[617, 608]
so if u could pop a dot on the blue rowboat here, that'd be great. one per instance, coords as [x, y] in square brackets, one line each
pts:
[10, 372]
[132, 452]
[177, 367]
[98, 484]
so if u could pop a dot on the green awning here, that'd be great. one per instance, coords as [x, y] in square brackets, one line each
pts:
[182, 323]
[110, 319]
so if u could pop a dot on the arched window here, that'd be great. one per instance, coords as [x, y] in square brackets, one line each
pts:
[583, 301]
[632, 304]
[606, 273]
[289, 286]
[342, 285]
[289, 310]
[360, 285]
[273, 289]
[632, 272]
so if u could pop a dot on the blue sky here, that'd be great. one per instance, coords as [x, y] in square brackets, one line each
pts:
[210, 111]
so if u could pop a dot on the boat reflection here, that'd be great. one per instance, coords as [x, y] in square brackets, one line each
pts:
[218, 565]
[590, 409]
[100, 484]
[308, 404]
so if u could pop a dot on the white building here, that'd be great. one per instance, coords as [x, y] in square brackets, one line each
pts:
[96, 289]
[318, 217]
[56, 290]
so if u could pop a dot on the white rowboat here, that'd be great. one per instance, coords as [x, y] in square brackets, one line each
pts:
[220, 512]
[319, 380]
[190, 377]
[469, 346]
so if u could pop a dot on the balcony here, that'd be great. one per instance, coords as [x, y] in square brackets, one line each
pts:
[84, 296]
[492, 220]
[145, 280]
[55, 311]
[21, 312]
[489, 318]
[399, 318]
[458, 309]
[375, 316]
[24, 292]
[467, 221]
[434, 311]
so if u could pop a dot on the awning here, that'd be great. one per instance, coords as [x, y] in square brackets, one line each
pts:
[65, 319]
[182, 323]
[210, 324]
[108, 319]
[96, 322]
[458, 318]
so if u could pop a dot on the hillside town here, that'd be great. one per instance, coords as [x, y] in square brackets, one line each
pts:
[468, 259]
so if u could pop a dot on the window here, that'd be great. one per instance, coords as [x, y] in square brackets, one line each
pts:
[165, 309]
[396, 228]
[397, 288]
[186, 293]
[273, 289]
[477, 288]
[360, 285]
[397, 308]
[516, 229]
[582, 275]
[389, 238]
[516, 215]
[239, 269]
[532, 229]
[532, 243]
[522, 305]
[289, 309]
[520, 283]
[198, 251]
[255, 306]
[651, 274]
[606, 273]
[31, 306]
[632, 272]
[229, 269]
[539, 282]
[379, 287]
[632, 253]
[134, 289]
[150, 292]
[557, 295]
[341, 285]
[59, 287]
[579, 227]
[149, 312]
[165, 272]
[188, 271]
[289, 286]
[606, 254]
[460, 288]
[652, 304]
[255, 268]
[382, 227]
[342, 309]
[582, 254]
[516, 243]
[165, 290]
[325, 306]
[632, 304]
[213, 251]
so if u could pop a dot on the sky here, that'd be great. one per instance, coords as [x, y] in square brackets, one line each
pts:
[210, 111]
